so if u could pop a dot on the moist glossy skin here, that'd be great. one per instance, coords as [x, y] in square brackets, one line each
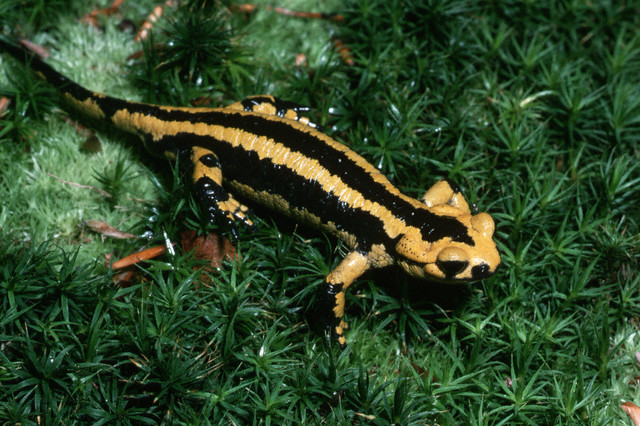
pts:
[262, 149]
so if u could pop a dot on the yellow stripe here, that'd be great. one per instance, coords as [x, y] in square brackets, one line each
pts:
[278, 203]
[87, 107]
[279, 154]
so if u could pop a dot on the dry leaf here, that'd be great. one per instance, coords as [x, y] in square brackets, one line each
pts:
[103, 228]
[140, 256]
[91, 18]
[125, 279]
[153, 17]
[301, 60]
[633, 411]
[91, 145]
[343, 51]
[201, 101]
[210, 247]
[4, 105]
[35, 48]
[93, 188]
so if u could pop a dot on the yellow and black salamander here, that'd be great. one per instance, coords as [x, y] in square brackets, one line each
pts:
[262, 150]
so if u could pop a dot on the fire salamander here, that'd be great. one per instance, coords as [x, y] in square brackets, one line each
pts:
[262, 150]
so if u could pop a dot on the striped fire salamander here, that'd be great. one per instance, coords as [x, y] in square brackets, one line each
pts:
[262, 150]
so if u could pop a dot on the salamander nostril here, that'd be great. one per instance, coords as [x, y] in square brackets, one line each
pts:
[480, 271]
[452, 268]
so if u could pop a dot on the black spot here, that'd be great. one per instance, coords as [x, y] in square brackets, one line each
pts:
[209, 160]
[454, 186]
[250, 103]
[210, 192]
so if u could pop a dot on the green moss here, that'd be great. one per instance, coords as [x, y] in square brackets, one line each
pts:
[530, 106]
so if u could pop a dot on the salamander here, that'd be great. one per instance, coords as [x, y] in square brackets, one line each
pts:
[263, 150]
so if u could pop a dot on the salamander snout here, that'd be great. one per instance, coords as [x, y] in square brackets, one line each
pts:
[453, 261]
[467, 253]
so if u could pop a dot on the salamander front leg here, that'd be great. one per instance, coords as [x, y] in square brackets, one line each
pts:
[336, 283]
[214, 199]
[445, 191]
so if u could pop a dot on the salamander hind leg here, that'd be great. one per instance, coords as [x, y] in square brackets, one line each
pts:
[218, 204]
[333, 295]
[270, 105]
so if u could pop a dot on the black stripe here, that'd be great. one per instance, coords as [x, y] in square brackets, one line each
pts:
[433, 227]
[262, 175]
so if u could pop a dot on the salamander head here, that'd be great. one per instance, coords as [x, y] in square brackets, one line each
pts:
[454, 257]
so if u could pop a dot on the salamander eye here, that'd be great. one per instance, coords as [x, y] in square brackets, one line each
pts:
[483, 223]
[452, 261]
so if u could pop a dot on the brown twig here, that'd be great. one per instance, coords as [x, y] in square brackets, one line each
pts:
[93, 188]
